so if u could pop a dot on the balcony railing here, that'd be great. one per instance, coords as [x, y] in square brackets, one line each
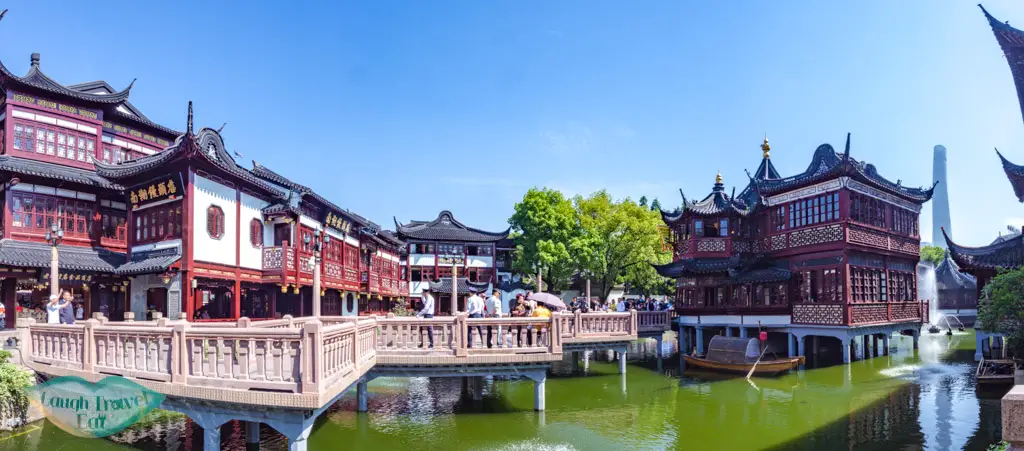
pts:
[273, 257]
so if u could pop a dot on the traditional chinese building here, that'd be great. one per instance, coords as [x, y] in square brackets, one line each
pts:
[445, 247]
[1005, 252]
[829, 252]
[160, 221]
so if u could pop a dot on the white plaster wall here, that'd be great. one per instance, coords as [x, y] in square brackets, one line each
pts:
[474, 261]
[208, 192]
[251, 256]
[421, 259]
[766, 320]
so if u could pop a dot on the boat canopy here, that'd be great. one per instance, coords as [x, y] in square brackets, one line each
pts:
[732, 350]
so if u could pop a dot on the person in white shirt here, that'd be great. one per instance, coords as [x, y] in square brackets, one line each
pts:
[493, 310]
[620, 306]
[79, 311]
[475, 307]
[427, 312]
[53, 310]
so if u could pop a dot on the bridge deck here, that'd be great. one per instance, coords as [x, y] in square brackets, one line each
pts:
[304, 363]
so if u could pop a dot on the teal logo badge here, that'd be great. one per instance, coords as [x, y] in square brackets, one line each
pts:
[87, 409]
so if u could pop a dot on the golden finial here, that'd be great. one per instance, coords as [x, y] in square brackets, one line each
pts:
[718, 178]
[765, 147]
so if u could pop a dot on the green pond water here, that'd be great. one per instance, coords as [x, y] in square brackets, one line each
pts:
[905, 401]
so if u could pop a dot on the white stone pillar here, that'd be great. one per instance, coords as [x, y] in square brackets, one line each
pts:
[917, 334]
[743, 332]
[789, 345]
[252, 432]
[728, 331]
[361, 396]
[622, 361]
[211, 438]
[846, 350]
[659, 340]
[538, 394]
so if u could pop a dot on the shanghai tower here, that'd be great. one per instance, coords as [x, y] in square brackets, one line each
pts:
[940, 199]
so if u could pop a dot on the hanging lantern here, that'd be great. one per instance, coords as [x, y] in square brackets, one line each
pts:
[166, 278]
[323, 292]
[284, 288]
[85, 287]
[295, 289]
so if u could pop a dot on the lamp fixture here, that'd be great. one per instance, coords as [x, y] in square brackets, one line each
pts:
[284, 288]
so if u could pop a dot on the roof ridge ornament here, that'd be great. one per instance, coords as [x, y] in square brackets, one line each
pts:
[188, 129]
[765, 148]
[846, 151]
[718, 178]
[34, 59]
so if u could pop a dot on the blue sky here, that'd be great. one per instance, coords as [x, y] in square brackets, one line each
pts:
[407, 108]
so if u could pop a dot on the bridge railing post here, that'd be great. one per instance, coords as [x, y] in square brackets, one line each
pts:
[88, 345]
[356, 348]
[556, 335]
[312, 356]
[632, 322]
[179, 353]
[577, 324]
[461, 335]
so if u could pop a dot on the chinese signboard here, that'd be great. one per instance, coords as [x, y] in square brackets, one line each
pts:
[338, 223]
[117, 128]
[168, 188]
[66, 277]
[451, 260]
[51, 105]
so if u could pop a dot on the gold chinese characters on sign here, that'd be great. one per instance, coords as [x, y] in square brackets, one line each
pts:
[156, 191]
[66, 277]
[337, 222]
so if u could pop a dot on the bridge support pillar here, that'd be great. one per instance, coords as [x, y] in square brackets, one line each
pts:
[743, 332]
[538, 393]
[252, 433]
[211, 438]
[477, 386]
[728, 331]
[885, 344]
[866, 345]
[361, 396]
[700, 340]
[917, 334]
[575, 361]
[683, 332]
[586, 361]
[846, 350]
[622, 361]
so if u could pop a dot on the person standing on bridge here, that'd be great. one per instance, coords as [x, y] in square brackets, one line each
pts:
[53, 310]
[475, 308]
[67, 309]
[427, 312]
[493, 309]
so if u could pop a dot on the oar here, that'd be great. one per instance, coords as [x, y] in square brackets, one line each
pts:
[751, 372]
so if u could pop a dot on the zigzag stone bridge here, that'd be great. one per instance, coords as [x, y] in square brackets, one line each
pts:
[286, 372]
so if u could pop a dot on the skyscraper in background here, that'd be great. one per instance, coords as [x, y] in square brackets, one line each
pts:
[940, 198]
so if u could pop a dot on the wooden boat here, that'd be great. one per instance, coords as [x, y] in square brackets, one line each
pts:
[995, 372]
[764, 368]
[739, 355]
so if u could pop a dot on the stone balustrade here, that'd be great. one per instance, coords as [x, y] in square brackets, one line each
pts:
[305, 362]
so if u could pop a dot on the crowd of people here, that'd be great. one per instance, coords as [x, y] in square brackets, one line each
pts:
[642, 303]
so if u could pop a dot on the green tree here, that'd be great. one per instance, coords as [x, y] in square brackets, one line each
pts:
[545, 226]
[1001, 308]
[655, 205]
[617, 241]
[643, 201]
[933, 254]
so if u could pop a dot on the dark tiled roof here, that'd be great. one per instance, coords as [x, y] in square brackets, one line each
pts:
[717, 203]
[505, 243]
[1002, 255]
[444, 286]
[135, 115]
[517, 285]
[35, 78]
[446, 228]
[1011, 41]
[1015, 174]
[671, 216]
[762, 275]
[826, 164]
[150, 262]
[55, 171]
[692, 266]
[37, 255]
[302, 190]
[948, 276]
[141, 120]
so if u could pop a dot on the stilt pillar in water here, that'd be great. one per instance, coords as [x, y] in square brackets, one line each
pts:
[211, 438]
[728, 331]
[867, 346]
[252, 433]
[801, 351]
[538, 394]
[478, 388]
[885, 344]
[301, 441]
[917, 334]
[361, 396]
[659, 340]
[576, 361]
[979, 340]
[622, 361]
[789, 345]
[586, 361]
[743, 332]
[700, 340]
[846, 351]
[683, 348]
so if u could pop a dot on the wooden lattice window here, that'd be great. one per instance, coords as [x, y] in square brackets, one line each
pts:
[215, 222]
[256, 233]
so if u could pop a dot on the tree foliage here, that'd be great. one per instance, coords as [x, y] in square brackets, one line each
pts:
[933, 254]
[655, 205]
[611, 242]
[1001, 308]
[643, 201]
[545, 226]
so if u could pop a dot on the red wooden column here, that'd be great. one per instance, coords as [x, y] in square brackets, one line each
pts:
[8, 289]
[236, 305]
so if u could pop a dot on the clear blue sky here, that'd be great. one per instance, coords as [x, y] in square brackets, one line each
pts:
[407, 108]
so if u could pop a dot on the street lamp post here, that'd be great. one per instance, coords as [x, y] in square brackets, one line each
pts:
[321, 239]
[54, 236]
